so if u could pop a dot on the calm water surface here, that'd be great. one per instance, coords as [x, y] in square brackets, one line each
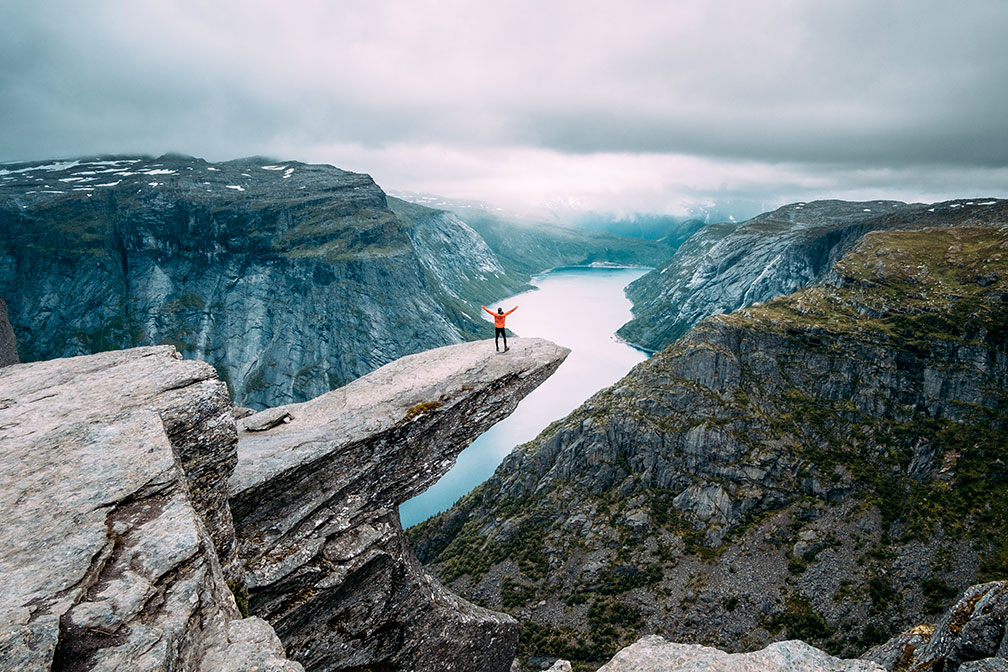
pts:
[580, 308]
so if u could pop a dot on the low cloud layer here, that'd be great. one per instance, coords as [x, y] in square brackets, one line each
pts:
[615, 106]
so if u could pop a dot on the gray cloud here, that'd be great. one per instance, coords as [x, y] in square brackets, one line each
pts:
[911, 93]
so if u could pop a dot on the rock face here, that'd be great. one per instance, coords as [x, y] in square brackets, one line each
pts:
[726, 266]
[114, 470]
[8, 344]
[315, 500]
[654, 654]
[827, 466]
[970, 636]
[291, 279]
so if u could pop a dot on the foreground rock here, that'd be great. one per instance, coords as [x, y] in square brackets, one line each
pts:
[969, 637]
[654, 654]
[114, 469]
[315, 501]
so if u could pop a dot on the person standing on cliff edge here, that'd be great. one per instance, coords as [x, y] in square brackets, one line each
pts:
[499, 318]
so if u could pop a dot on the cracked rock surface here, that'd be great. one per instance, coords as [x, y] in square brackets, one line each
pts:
[112, 482]
[315, 504]
[655, 654]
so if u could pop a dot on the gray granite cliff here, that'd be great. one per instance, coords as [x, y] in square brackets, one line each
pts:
[114, 467]
[726, 266]
[142, 522]
[826, 466]
[315, 498]
[290, 279]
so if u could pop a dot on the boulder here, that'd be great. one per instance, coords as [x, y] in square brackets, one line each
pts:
[655, 654]
[969, 636]
[114, 469]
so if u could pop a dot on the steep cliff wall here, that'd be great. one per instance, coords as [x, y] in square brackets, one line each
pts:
[827, 466]
[726, 266]
[290, 279]
[315, 499]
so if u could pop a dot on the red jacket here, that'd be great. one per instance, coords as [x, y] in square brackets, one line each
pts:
[499, 317]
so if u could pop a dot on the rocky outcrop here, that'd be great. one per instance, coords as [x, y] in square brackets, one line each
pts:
[827, 466]
[114, 488]
[970, 636]
[655, 654]
[8, 343]
[315, 500]
[121, 471]
[727, 266]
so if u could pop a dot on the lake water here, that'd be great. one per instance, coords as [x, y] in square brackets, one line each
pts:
[580, 308]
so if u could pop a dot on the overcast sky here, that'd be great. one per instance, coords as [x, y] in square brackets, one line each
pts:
[619, 106]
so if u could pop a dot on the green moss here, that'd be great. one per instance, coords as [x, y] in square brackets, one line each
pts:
[514, 594]
[240, 597]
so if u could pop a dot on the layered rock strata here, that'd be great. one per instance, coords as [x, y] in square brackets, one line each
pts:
[315, 500]
[828, 466]
[727, 266]
[969, 636]
[113, 480]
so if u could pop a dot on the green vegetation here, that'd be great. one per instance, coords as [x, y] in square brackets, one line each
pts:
[938, 595]
[880, 395]
[800, 621]
[240, 597]
[421, 408]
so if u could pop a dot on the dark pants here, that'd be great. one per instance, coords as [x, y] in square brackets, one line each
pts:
[499, 331]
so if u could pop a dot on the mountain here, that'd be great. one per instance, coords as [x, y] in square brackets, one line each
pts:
[537, 239]
[726, 266]
[290, 279]
[828, 466]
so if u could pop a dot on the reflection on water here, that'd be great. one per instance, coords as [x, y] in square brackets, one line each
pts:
[580, 308]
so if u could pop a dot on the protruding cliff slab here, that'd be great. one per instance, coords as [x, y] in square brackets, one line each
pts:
[315, 501]
[112, 480]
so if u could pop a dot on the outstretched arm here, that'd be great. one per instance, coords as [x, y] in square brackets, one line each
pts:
[488, 310]
[511, 311]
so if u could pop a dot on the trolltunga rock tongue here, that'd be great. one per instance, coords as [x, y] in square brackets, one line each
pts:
[112, 486]
[315, 500]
